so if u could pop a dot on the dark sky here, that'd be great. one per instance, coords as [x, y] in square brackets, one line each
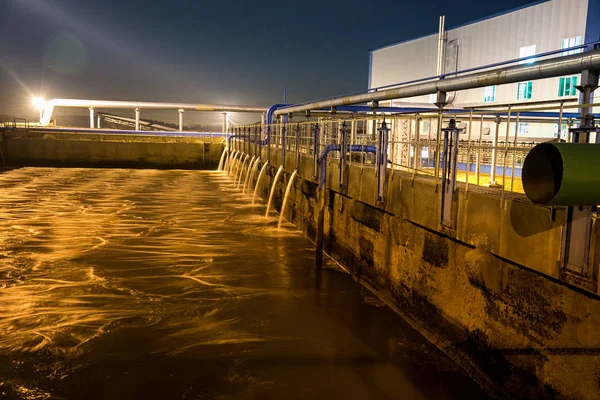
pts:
[238, 52]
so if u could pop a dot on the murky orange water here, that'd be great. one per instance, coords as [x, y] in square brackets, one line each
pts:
[121, 284]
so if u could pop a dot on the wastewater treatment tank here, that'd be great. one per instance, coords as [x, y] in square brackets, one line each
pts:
[130, 283]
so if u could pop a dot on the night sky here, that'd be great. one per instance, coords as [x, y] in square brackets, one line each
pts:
[223, 51]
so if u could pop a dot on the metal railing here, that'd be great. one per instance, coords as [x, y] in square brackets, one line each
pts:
[13, 122]
[492, 143]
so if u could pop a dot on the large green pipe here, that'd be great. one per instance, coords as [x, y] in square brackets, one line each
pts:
[563, 174]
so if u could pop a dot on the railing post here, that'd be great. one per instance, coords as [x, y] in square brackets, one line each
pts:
[493, 182]
[283, 143]
[381, 156]
[343, 151]
[268, 143]
[297, 145]
[440, 103]
[316, 149]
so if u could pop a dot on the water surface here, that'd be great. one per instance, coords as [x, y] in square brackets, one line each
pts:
[123, 284]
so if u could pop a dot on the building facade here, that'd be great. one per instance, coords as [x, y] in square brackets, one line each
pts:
[534, 29]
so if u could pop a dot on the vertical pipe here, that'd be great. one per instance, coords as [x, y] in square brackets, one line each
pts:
[417, 138]
[181, 111]
[269, 132]
[512, 172]
[297, 145]
[478, 157]
[382, 161]
[468, 167]
[283, 143]
[494, 153]
[438, 144]
[315, 149]
[440, 55]
[137, 119]
[343, 150]
[91, 117]
[224, 123]
[560, 119]
[504, 165]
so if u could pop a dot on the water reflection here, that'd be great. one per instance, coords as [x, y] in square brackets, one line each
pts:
[166, 284]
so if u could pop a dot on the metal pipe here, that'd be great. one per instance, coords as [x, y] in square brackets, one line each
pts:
[137, 119]
[181, 111]
[563, 174]
[224, 125]
[81, 103]
[92, 118]
[440, 54]
[559, 66]
[464, 71]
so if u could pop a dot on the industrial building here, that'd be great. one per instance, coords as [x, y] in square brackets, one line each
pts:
[543, 27]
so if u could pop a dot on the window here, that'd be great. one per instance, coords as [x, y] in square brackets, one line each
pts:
[563, 131]
[523, 128]
[571, 42]
[489, 94]
[566, 86]
[524, 90]
[527, 51]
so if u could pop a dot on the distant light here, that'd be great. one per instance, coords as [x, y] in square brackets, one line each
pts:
[39, 103]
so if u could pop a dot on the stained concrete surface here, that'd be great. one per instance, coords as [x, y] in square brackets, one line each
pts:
[128, 284]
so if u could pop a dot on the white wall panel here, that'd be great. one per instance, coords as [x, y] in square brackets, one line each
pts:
[489, 41]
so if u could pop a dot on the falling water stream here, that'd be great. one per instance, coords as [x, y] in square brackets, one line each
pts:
[286, 198]
[250, 175]
[279, 171]
[247, 171]
[222, 160]
[240, 170]
[154, 284]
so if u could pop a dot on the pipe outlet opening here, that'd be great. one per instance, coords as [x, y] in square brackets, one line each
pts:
[543, 173]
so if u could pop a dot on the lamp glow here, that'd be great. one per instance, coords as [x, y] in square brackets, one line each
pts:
[39, 103]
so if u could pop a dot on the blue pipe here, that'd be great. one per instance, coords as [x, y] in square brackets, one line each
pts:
[271, 111]
[336, 147]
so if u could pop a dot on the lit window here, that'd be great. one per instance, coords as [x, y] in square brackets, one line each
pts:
[524, 90]
[566, 86]
[523, 128]
[527, 51]
[571, 42]
[489, 94]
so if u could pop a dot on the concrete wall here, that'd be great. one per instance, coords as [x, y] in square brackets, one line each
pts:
[489, 292]
[39, 148]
